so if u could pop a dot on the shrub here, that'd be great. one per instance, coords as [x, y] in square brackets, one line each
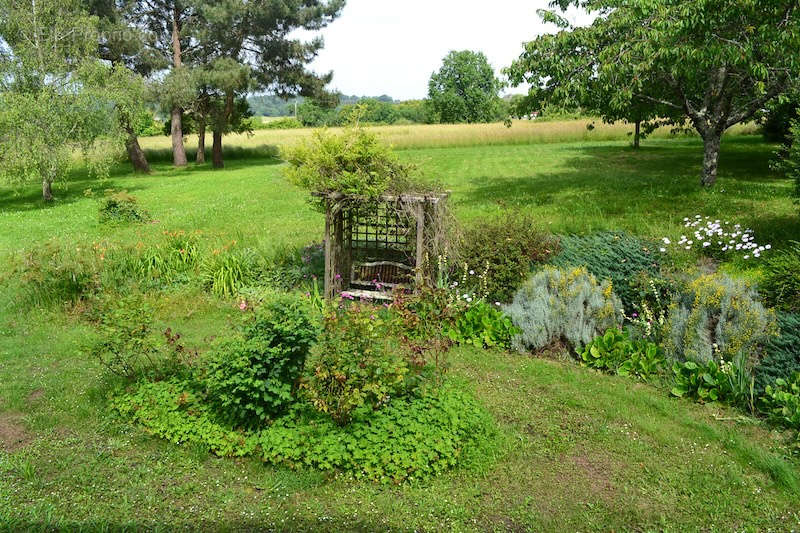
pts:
[567, 306]
[788, 162]
[127, 346]
[505, 247]
[289, 268]
[251, 379]
[781, 284]
[225, 272]
[410, 439]
[782, 358]
[718, 317]
[618, 257]
[781, 402]
[653, 295]
[354, 161]
[483, 325]
[354, 366]
[121, 207]
[615, 352]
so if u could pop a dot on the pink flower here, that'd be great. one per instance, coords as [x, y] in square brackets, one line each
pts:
[243, 305]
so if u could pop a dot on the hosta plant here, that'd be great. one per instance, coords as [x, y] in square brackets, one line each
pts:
[781, 402]
[483, 325]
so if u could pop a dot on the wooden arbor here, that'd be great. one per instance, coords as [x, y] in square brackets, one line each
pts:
[375, 245]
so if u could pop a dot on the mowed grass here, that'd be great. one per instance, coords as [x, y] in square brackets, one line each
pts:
[581, 451]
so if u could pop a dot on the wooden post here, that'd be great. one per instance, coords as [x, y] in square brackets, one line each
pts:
[330, 258]
[419, 211]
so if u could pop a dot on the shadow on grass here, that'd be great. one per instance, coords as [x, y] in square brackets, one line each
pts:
[657, 181]
[73, 187]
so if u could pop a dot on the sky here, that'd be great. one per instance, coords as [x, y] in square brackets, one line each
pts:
[391, 47]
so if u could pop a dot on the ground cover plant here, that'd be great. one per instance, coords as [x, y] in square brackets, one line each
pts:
[576, 449]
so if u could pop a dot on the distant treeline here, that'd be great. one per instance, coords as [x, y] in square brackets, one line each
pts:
[268, 105]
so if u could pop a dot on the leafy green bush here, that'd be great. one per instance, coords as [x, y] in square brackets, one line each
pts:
[781, 402]
[788, 162]
[355, 366]
[615, 256]
[127, 346]
[290, 268]
[354, 161]
[718, 317]
[174, 410]
[615, 352]
[568, 306]
[251, 379]
[700, 382]
[505, 247]
[409, 439]
[225, 272]
[781, 284]
[121, 207]
[483, 325]
[283, 123]
[782, 358]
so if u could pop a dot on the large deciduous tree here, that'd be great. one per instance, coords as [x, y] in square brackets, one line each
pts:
[465, 89]
[713, 63]
[46, 109]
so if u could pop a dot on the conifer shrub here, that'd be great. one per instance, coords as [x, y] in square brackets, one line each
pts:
[616, 256]
[781, 284]
[715, 318]
[782, 358]
[563, 306]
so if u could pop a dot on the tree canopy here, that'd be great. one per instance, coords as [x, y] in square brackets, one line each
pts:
[712, 63]
[465, 89]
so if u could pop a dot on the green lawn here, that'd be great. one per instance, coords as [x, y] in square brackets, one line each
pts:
[581, 450]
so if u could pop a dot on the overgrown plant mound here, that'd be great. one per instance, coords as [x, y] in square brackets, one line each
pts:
[563, 306]
[614, 256]
[360, 401]
[120, 208]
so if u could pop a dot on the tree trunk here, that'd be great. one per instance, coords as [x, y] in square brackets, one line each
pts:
[637, 134]
[201, 142]
[47, 191]
[216, 150]
[178, 150]
[136, 154]
[711, 144]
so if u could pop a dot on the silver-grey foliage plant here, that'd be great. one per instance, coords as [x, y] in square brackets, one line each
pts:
[568, 306]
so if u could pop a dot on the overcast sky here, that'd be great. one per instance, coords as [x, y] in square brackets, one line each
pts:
[392, 47]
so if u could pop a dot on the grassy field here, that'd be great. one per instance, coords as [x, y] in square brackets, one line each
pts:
[581, 451]
[449, 135]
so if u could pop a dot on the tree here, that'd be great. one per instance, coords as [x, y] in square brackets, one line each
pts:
[713, 63]
[124, 45]
[170, 25]
[249, 45]
[465, 89]
[47, 110]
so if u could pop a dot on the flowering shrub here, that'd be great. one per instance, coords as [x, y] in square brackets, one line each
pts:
[355, 365]
[717, 316]
[568, 306]
[718, 239]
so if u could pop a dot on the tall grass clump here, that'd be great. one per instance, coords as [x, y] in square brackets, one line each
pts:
[226, 272]
[563, 307]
